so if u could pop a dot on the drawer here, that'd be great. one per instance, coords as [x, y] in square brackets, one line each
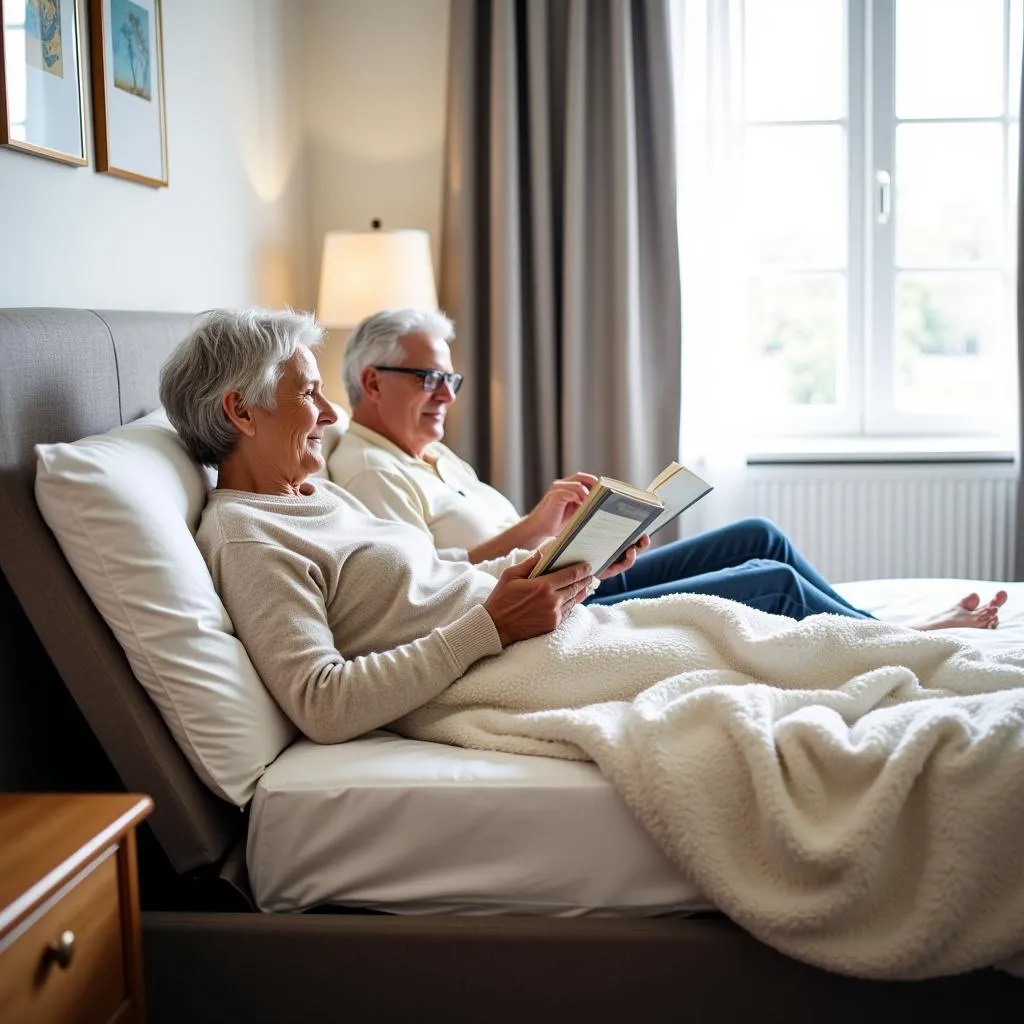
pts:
[34, 988]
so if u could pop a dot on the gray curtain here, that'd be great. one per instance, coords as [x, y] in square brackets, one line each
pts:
[560, 261]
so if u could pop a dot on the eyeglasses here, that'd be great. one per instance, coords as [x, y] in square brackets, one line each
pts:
[431, 379]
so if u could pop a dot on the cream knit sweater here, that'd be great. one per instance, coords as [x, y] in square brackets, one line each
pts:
[351, 621]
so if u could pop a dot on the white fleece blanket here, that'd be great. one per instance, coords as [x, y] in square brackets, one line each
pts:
[850, 792]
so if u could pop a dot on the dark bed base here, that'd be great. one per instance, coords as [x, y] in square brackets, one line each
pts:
[251, 967]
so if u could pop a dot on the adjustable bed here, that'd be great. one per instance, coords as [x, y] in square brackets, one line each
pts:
[382, 880]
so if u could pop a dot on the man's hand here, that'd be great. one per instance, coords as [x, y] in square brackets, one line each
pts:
[627, 558]
[563, 497]
[522, 608]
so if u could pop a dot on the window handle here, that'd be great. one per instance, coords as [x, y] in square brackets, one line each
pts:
[884, 201]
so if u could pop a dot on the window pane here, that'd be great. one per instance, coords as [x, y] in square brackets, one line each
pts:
[949, 59]
[795, 334]
[1016, 40]
[796, 195]
[950, 328]
[795, 60]
[949, 185]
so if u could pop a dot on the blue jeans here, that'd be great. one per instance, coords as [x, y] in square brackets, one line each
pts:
[751, 561]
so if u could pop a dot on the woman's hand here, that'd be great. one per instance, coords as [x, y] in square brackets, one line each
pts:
[627, 558]
[563, 497]
[522, 608]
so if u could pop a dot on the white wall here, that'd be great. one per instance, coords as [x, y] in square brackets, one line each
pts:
[373, 83]
[373, 89]
[320, 114]
[224, 233]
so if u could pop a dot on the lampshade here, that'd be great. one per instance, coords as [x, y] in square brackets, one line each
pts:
[364, 272]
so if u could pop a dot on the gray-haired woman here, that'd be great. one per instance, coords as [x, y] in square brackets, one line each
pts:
[351, 621]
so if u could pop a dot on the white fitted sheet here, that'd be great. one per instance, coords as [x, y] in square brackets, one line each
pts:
[388, 823]
[412, 827]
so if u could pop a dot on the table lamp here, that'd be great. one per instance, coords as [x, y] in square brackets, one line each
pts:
[364, 272]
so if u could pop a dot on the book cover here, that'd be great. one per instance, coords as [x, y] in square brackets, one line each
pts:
[616, 514]
[613, 516]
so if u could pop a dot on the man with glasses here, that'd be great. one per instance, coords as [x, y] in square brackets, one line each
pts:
[400, 383]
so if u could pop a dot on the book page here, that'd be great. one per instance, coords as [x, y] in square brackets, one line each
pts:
[667, 473]
[678, 490]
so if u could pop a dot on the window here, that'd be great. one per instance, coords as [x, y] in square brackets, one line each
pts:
[876, 148]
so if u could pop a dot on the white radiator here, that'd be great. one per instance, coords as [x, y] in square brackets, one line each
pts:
[873, 522]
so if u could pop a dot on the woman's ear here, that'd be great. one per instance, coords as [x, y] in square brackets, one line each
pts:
[238, 413]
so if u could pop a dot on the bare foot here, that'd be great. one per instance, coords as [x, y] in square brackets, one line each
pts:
[969, 613]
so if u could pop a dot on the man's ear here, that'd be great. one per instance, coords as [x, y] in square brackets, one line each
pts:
[369, 383]
[238, 413]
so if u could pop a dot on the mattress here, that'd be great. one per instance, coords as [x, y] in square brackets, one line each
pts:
[409, 827]
[389, 823]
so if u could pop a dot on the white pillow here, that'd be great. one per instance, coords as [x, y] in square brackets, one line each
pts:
[124, 507]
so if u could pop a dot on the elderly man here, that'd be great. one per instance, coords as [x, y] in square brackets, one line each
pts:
[400, 382]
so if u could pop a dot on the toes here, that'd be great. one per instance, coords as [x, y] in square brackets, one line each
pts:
[970, 602]
[986, 616]
[999, 600]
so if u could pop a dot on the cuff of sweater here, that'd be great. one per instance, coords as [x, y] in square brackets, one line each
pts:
[472, 637]
[453, 554]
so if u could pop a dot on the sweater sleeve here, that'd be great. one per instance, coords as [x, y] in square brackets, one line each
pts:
[275, 598]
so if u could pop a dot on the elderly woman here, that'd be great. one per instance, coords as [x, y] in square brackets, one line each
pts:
[351, 620]
[400, 382]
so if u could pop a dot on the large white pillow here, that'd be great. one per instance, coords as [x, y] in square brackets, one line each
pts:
[124, 507]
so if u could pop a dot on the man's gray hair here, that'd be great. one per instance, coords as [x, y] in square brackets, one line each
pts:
[229, 350]
[377, 341]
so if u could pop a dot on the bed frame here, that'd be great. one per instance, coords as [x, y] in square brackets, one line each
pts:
[72, 717]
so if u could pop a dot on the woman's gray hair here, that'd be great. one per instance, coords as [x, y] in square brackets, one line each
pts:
[377, 341]
[229, 350]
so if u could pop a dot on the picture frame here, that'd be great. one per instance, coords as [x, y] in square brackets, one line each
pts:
[42, 90]
[129, 110]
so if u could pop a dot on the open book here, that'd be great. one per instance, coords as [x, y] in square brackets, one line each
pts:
[615, 515]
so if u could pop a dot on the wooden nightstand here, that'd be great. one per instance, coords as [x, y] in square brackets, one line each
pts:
[69, 908]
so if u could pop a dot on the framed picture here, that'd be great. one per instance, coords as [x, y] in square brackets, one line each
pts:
[126, 46]
[42, 101]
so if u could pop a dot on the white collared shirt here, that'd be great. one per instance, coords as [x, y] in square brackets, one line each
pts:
[439, 493]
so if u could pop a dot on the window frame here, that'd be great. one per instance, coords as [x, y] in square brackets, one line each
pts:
[845, 417]
[865, 405]
[881, 415]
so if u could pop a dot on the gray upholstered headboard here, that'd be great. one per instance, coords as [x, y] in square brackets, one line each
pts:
[67, 373]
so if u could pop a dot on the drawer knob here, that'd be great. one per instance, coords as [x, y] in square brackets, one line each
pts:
[63, 949]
